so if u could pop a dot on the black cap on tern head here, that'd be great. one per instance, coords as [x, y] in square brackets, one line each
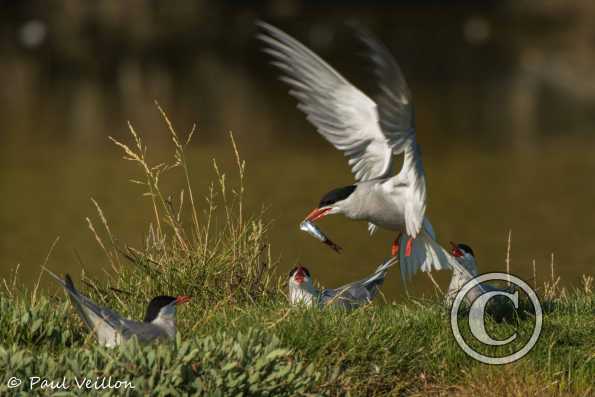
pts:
[295, 269]
[336, 195]
[156, 304]
[466, 248]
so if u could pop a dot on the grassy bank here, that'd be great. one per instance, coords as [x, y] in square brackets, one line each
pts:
[271, 349]
[238, 336]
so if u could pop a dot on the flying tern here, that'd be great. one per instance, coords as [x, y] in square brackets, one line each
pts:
[350, 296]
[111, 328]
[369, 133]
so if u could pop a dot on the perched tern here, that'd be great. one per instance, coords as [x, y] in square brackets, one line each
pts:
[369, 133]
[464, 273]
[350, 296]
[112, 329]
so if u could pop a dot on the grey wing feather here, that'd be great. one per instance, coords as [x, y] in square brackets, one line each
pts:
[367, 134]
[342, 114]
[397, 121]
[105, 322]
[345, 299]
[413, 175]
[358, 292]
[145, 332]
[110, 326]
[480, 289]
[395, 106]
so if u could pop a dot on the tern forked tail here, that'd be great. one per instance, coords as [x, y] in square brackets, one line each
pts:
[100, 320]
[422, 253]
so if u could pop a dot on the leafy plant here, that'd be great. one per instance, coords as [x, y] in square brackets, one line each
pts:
[250, 363]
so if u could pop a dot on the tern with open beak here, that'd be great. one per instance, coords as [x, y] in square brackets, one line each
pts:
[369, 133]
[464, 273]
[350, 296]
[111, 328]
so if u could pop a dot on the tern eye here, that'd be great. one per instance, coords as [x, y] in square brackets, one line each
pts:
[292, 271]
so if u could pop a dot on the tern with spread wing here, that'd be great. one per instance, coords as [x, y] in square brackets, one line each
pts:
[369, 133]
[111, 328]
[350, 296]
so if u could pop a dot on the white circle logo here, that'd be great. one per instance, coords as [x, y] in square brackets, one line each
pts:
[481, 295]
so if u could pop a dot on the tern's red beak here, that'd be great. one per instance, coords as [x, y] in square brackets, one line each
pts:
[456, 251]
[317, 213]
[299, 275]
[182, 299]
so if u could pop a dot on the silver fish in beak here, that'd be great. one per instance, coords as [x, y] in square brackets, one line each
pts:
[314, 231]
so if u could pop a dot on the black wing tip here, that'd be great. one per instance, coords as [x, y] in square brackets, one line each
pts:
[68, 281]
[362, 32]
[374, 46]
[354, 24]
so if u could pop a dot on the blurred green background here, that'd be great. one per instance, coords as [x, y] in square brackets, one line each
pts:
[505, 96]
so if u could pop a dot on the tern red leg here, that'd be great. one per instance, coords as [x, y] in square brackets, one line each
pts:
[408, 247]
[394, 250]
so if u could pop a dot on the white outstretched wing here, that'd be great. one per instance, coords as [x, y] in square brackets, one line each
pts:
[342, 114]
[397, 121]
[396, 112]
[368, 132]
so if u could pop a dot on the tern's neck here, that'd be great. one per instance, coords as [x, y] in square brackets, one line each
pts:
[460, 277]
[304, 293]
[167, 322]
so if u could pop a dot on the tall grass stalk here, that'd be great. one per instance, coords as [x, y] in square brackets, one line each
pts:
[221, 256]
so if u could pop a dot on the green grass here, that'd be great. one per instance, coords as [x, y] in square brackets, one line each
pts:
[238, 336]
[399, 349]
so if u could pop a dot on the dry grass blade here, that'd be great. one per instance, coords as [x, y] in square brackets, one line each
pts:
[508, 246]
[229, 261]
[152, 175]
[45, 262]
[180, 157]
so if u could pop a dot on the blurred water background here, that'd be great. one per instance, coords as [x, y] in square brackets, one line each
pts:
[505, 96]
